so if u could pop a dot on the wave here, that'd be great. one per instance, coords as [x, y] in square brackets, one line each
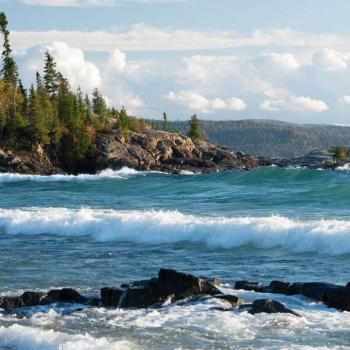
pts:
[345, 167]
[123, 173]
[32, 338]
[160, 227]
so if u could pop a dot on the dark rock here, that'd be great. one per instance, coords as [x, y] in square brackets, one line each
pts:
[170, 285]
[65, 295]
[248, 285]
[270, 306]
[183, 285]
[111, 297]
[346, 298]
[330, 294]
[27, 299]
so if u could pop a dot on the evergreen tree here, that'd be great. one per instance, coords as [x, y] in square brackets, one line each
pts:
[51, 76]
[9, 71]
[165, 122]
[195, 128]
[98, 103]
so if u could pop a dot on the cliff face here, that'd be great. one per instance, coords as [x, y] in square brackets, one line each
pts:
[27, 162]
[149, 150]
[164, 151]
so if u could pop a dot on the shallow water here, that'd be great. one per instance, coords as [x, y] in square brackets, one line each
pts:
[92, 231]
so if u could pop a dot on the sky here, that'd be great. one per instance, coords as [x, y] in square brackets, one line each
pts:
[221, 59]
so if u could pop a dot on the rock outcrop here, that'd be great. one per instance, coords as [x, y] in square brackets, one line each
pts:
[27, 162]
[170, 285]
[331, 295]
[169, 152]
[28, 299]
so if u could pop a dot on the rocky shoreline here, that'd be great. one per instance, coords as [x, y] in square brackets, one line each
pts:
[152, 150]
[171, 286]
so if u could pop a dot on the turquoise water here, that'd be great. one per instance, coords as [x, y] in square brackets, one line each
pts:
[100, 230]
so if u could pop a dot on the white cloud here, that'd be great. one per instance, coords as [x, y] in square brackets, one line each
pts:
[330, 59]
[72, 64]
[141, 37]
[88, 3]
[295, 104]
[345, 99]
[198, 102]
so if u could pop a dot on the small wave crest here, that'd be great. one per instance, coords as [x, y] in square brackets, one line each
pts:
[32, 338]
[159, 227]
[123, 173]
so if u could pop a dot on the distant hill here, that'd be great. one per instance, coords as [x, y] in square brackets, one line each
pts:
[269, 137]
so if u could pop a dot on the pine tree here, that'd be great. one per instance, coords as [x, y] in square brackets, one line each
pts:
[9, 71]
[51, 76]
[98, 104]
[165, 122]
[195, 128]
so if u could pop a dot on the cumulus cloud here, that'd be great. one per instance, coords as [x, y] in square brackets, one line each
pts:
[72, 64]
[295, 103]
[330, 59]
[198, 102]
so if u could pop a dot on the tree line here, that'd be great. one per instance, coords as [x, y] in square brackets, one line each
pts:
[51, 113]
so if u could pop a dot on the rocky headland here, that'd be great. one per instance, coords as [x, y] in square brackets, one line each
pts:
[153, 150]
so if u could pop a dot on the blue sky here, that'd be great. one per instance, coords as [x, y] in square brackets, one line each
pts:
[223, 59]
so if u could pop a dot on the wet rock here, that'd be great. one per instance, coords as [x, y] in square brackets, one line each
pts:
[249, 285]
[111, 297]
[25, 300]
[330, 294]
[346, 298]
[169, 286]
[65, 295]
[270, 306]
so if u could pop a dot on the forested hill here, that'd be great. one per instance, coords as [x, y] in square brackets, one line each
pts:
[270, 138]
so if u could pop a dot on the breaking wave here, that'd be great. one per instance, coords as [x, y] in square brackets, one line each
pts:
[123, 173]
[159, 227]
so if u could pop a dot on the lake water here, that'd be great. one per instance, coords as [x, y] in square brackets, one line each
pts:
[90, 231]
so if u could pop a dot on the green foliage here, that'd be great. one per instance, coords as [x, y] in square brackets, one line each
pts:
[195, 128]
[340, 153]
[51, 76]
[165, 122]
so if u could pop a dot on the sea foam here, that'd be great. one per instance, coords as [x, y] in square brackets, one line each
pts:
[158, 227]
[31, 338]
[106, 174]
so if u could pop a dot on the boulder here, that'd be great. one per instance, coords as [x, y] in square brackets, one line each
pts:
[248, 285]
[110, 297]
[270, 306]
[65, 295]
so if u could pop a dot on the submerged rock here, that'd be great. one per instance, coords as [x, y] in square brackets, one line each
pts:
[270, 306]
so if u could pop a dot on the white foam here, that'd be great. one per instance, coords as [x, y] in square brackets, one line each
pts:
[123, 173]
[156, 227]
[345, 167]
[31, 338]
